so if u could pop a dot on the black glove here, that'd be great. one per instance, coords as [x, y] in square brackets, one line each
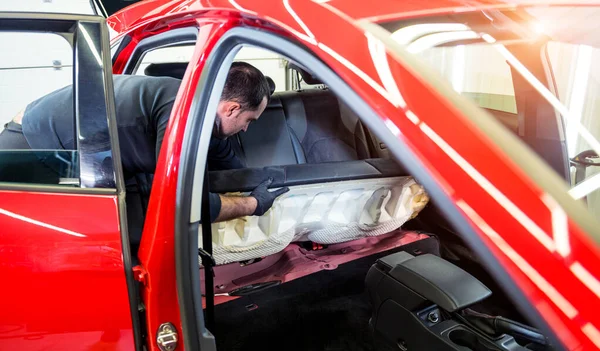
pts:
[265, 198]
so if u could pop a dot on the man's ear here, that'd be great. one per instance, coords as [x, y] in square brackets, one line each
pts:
[228, 109]
[233, 109]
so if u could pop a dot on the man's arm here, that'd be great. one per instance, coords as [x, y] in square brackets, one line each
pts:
[235, 207]
[256, 204]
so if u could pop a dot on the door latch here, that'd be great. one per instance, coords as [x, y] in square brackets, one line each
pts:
[167, 337]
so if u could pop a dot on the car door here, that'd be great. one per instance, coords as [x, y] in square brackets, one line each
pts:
[157, 270]
[64, 251]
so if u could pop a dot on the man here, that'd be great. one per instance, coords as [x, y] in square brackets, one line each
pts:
[143, 107]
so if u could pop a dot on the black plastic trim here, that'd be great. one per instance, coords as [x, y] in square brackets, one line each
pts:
[132, 287]
[46, 188]
[441, 282]
[209, 289]
[123, 42]
[246, 179]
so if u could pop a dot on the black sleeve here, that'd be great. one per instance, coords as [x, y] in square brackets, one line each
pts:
[221, 156]
[215, 206]
[164, 113]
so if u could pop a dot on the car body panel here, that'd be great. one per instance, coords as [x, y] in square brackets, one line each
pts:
[549, 257]
[61, 264]
[65, 271]
[157, 248]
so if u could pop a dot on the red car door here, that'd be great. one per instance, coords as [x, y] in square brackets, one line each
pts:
[64, 252]
[157, 270]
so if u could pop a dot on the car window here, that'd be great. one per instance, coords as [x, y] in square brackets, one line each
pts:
[170, 54]
[268, 62]
[539, 87]
[489, 85]
[29, 58]
[576, 74]
[31, 66]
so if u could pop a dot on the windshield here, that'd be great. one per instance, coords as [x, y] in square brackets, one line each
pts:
[530, 73]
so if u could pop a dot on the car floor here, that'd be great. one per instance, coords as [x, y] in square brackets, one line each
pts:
[328, 310]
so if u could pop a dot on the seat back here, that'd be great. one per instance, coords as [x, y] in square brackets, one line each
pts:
[267, 142]
[327, 130]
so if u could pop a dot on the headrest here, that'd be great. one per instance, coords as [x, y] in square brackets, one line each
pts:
[306, 77]
[271, 84]
[168, 69]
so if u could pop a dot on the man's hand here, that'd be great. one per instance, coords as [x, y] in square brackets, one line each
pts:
[264, 197]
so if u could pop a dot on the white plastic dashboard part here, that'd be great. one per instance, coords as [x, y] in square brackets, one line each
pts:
[325, 213]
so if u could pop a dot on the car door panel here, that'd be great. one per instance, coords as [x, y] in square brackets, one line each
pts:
[64, 251]
[63, 272]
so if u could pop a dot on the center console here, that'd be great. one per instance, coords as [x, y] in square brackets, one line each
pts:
[422, 303]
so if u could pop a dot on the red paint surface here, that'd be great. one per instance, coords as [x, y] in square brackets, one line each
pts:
[63, 280]
[157, 247]
[503, 204]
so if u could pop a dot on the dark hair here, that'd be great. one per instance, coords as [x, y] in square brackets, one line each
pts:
[246, 85]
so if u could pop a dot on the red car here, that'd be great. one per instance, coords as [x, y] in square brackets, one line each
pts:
[483, 110]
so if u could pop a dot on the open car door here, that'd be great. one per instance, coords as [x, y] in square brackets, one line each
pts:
[66, 265]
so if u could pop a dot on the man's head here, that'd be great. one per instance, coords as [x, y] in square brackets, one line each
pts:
[244, 99]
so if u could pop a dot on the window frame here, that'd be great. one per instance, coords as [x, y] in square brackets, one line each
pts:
[91, 79]
[174, 37]
[92, 75]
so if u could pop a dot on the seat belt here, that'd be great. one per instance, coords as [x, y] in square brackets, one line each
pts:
[205, 254]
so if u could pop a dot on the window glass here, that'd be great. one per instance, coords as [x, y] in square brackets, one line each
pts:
[511, 63]
[268, 62]
[31, 66]
[489, 85]
[171, 54]
[577, 75]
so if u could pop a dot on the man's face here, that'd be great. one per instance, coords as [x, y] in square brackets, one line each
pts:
[232, 118]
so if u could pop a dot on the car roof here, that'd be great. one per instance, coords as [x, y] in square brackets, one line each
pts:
[350, 10]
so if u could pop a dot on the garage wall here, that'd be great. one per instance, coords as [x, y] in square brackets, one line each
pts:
[55, 6]
[34, 64]
[31, 65]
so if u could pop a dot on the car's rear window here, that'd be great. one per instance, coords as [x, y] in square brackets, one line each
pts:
[489, 85]
[536, 70]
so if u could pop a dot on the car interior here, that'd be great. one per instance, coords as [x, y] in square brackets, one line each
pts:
[355, 256]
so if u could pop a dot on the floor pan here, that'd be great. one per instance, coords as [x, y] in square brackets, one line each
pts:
[328, 310]
[296, 261]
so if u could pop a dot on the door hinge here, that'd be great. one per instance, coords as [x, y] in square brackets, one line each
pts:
[140, 274]
[167, 337]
